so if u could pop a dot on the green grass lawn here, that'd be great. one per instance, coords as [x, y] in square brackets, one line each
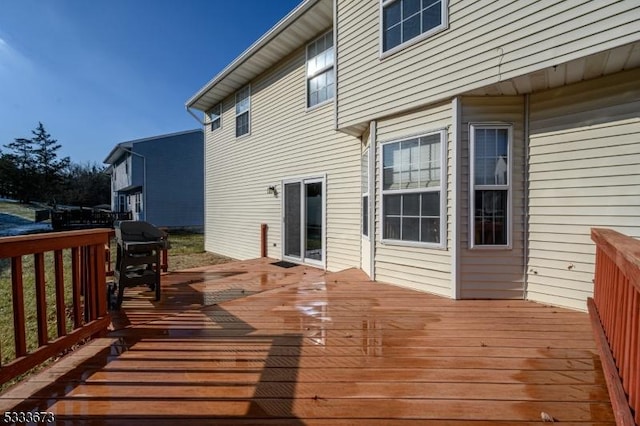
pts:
[25, 211]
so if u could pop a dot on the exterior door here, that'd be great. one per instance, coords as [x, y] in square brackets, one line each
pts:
[304, 220]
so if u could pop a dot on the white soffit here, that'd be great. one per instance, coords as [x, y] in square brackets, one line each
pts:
[294, 30]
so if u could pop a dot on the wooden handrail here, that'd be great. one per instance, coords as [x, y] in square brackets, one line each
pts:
[88, 288]
[615, 310]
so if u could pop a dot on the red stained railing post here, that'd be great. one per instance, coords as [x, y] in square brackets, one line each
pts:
[61, 313]
[18, 306]
[41, 299]
[616, 307]
[263, 239]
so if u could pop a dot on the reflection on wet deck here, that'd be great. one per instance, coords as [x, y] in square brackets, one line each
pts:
[252, 343]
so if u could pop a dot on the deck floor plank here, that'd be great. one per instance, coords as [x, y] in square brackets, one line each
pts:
[251, 343]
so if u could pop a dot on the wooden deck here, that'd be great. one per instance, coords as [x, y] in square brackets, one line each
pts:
[253, 343]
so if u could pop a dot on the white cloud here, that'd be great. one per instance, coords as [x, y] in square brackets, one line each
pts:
[10, 59]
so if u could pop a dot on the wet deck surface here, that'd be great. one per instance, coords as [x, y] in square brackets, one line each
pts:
[253, 343]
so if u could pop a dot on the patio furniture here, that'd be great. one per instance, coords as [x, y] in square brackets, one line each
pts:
[139, 245]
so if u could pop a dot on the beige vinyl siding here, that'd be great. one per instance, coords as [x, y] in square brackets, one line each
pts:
[486, 42]
[493, 273]
[420, 268]
[286, 141]
[584, 172]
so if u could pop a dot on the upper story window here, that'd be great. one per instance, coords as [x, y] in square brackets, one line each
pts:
[215, 117]
[408, 20]
[243, 106]
[413, 191]
[320, 73]
[490, 186]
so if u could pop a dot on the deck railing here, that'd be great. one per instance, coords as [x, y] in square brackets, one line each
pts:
[615, 311]
[84, 284]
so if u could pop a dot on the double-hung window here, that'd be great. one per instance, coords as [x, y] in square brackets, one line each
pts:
[413, 195]
[243, 106]
[320, 73]
[215, 117]
[138, 205]
[407, 20]
[490, 154]
[365, 193]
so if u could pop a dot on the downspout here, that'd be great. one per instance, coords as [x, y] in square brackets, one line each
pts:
[525, 227]
[373, 145]
[335, 64]
[456, 111]
[144, 182]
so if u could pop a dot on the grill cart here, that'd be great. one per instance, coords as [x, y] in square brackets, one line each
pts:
[139, 245]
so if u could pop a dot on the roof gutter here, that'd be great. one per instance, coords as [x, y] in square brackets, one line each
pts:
[260, 43]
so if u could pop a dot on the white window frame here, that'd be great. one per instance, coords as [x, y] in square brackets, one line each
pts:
[443, 26]
[215, 117]
[318, 72]
[303, 180]
[505, 187]
[248, 112]
[363, 205]
[442, 245]
[138, 206]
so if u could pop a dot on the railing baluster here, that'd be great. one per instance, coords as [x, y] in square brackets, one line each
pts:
[76, 287]
[18, 307]
[60, 305]
[41, 299]
[101, 271]
[89, 294]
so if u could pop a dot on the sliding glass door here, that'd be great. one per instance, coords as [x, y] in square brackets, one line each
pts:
[304, 220]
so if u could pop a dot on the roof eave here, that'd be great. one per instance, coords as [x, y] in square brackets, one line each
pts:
[278, 29]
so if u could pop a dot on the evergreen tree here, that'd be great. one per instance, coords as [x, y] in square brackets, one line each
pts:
[8, 171]
[22, 174]
[50, 169]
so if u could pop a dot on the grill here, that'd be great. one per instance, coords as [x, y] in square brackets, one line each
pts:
[139, 245]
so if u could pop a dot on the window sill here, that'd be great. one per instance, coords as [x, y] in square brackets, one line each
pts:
[416, 244]
[246, 135]
[490, 248]
[320, 105]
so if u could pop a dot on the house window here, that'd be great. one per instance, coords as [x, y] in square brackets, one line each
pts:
[365, 193]
[138, 205]
[412, 189]
[406, 20]
[320, 74]
[243, 105]
[490, 151]
[215, 117]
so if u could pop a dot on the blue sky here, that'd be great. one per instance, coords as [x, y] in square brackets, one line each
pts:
[100, 72]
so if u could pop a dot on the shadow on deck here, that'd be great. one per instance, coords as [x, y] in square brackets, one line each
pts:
[252, 343]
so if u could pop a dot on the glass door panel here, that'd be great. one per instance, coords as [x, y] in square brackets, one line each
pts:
[313, 222]
[292, 219]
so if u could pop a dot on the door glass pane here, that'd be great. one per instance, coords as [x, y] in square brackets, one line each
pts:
[292, 226]
[313, 225]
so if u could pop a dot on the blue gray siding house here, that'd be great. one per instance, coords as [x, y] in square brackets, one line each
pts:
[160, 179]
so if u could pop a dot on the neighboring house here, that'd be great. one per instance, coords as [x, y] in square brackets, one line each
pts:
[160, 179]
[456, 147]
